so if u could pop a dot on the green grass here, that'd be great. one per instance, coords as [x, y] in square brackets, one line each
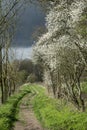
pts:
[9, 110]
[52, 114]
[56, 116]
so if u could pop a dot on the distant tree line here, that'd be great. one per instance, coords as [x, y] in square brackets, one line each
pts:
[28, 71]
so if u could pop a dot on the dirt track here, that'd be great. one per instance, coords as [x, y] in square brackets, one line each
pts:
[27, 119]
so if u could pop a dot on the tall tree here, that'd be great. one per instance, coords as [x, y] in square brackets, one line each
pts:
[8, 17]
[52, 49]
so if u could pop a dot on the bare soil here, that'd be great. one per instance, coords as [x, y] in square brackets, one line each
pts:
[27, 119]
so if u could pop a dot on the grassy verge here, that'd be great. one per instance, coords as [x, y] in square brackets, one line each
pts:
[9, 110]
[56, 116]
[53, 114]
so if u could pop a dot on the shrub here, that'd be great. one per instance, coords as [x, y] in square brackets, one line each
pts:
[32, 78]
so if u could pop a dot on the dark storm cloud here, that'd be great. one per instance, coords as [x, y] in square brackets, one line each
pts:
[31, 17]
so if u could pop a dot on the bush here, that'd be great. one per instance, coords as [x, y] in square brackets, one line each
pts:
[84, 86]
[32, 78]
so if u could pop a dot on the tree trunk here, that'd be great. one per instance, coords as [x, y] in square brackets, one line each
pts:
[1, 81]
[82, 103]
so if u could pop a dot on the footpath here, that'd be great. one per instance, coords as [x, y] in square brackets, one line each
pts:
[27, 119]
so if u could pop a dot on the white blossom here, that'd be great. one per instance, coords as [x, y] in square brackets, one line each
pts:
[52, 48]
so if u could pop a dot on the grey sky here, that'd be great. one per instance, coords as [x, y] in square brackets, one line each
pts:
[31, 18]
[20, 53]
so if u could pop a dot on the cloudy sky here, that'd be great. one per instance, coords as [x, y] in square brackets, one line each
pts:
[31, 18]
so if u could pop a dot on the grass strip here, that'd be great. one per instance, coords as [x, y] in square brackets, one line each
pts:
[8, 111]
[56, 116]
